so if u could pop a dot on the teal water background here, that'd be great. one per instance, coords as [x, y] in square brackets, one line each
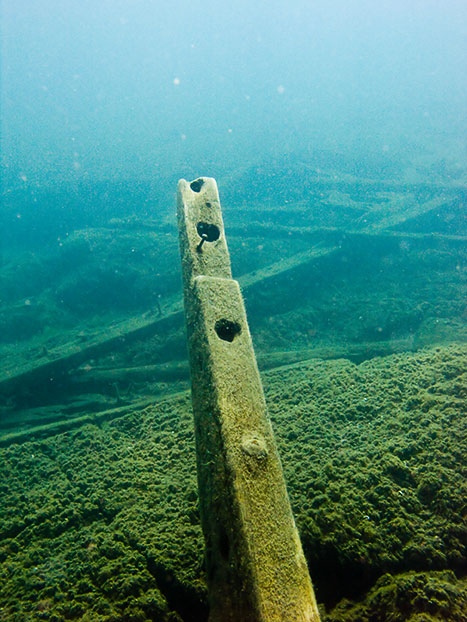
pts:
[320, 121]
[336, 131]
[148, 91]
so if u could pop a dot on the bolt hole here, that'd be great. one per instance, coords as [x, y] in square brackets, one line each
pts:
[227, 330]
[197, 185]
[209, 232]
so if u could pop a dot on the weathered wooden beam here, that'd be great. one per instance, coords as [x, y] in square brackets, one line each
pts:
[26, 431]
[281, 232]
[401, 211]
[256, 568]
[164, 372]
[72, 354]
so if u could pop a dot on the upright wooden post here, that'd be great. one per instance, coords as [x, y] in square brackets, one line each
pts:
[256, 568]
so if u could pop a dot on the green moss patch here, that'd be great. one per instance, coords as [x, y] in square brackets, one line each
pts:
[412, 597]
[101, 524]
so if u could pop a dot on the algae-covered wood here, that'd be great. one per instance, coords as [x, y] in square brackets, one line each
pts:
[65, 329]
[256, 568]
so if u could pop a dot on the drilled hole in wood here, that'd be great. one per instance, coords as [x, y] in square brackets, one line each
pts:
[207, 233]
[197, 185]
[227, 330]
[210, 232]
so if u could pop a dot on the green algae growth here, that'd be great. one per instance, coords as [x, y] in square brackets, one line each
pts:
[101, 523]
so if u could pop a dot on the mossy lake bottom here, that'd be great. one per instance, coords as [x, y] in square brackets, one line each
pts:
[101, 523]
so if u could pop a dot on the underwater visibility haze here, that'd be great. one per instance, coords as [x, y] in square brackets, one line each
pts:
[336, 132]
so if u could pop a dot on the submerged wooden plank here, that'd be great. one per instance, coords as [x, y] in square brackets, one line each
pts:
[256, 568]
[402, 212]
[29, 433]
[285, 265]
[74, 353]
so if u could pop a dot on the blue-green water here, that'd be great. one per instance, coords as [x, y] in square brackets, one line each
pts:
[336, 133]
[105, 105]
[139, 90]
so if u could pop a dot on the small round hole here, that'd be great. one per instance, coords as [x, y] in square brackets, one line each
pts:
[227, 330]
[197, 185]
[209, 232]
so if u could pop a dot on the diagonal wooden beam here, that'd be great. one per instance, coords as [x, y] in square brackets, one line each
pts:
[72, 354]
[256, 567]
